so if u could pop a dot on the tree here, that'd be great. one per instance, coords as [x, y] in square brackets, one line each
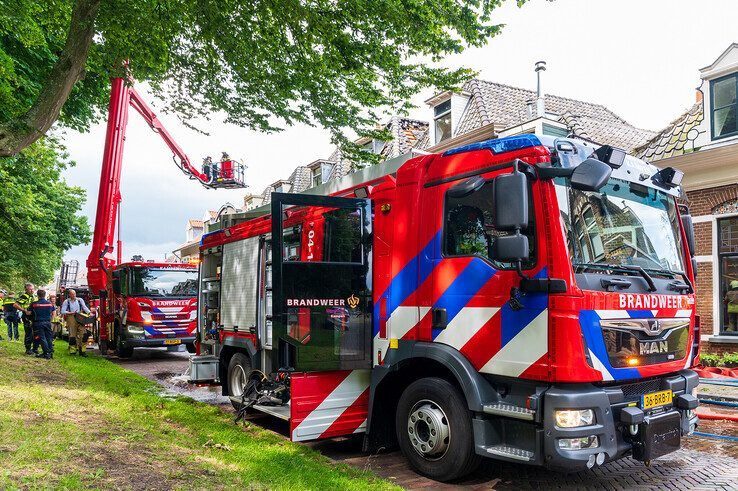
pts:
[38, 214]
[264, 64]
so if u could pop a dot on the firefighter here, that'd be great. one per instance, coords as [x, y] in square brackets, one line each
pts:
[41, 311]
[2, 304]
[207, 165]
[226, 166]
[69, 309]
[11, 315]
[23, 303]
[731, 299]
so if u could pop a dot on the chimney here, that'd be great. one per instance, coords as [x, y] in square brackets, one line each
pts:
[540, 103]
[530, 104]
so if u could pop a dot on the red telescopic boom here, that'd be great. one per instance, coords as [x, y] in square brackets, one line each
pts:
[226, 174]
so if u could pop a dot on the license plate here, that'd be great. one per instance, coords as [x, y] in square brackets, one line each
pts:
[656, 399]
[172, 341]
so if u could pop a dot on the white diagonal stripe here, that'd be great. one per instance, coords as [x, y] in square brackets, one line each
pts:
[328, 411]
[600, 367]
[465, 325]
[527, 347]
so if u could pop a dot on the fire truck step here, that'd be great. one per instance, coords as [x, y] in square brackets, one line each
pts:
[281, 412]
[509, 410]
[511, 452]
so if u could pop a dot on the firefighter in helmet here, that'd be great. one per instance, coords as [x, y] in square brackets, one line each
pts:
[23, 302]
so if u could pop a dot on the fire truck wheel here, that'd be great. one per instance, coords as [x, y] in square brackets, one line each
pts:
[124, 351]
[190, 347]
[435, 431]
[238, 375]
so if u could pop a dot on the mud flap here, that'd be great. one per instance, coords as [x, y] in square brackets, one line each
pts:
[328, 404]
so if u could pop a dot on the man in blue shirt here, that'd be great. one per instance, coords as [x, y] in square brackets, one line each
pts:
[41, 311]
[72, 306]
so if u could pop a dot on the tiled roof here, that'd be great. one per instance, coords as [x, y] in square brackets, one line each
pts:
[195, 223]
[406, 134]
[619, 135]
[673, 140]
[301, 179]
[506, 106]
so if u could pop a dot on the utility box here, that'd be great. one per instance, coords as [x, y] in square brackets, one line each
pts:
[203, 369]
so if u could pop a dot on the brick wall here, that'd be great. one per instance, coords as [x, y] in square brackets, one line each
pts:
[718, 348]
[702, 201]
[704, 297]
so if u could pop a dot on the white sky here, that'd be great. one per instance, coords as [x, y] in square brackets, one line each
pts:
[638, 58]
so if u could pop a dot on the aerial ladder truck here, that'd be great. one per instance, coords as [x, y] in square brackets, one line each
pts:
[146, 304]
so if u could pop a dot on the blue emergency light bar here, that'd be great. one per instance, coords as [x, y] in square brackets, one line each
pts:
[498, 145]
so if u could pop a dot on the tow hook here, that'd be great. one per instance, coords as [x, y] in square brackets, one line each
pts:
[632, 416]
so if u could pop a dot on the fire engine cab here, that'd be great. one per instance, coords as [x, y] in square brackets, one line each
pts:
[526, 299]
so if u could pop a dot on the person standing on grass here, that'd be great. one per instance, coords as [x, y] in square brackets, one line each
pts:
[69, 309]
[3, 297]
[41, 311]
[23, 303]
[11, 315]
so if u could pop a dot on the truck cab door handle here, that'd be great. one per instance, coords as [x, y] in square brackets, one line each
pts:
[438, 318]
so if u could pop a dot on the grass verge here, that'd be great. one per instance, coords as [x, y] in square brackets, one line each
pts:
[73, 423]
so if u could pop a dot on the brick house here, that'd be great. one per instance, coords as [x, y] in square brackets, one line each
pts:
[703, 143]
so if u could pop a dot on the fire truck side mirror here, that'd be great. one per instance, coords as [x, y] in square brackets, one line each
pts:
[511, 248]
[590, 175]
[116, 286]
[510, 194]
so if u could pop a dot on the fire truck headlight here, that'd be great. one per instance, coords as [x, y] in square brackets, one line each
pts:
[135, 332]
[572, 418]
[579, 443]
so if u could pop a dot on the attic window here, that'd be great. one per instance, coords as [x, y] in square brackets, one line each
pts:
[374, 146]
[320, 173]
[442, 121]
[724, 106]
[316, 177]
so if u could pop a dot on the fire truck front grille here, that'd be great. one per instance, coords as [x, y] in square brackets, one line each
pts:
[634, 391]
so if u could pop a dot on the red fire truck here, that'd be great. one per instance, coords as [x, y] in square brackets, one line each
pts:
[527, 299]
[141, 303]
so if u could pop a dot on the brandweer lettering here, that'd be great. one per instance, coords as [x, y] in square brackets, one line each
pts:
[315, 302]
[652, 302]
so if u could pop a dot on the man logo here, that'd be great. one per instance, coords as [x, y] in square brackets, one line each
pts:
[353, 301]
[654, 326]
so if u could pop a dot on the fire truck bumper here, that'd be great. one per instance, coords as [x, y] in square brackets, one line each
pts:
[623, 423]
[580, 426]
[157, 342]
[134, 336]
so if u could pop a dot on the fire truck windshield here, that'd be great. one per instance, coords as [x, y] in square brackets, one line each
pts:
[624, 224]
[148, 282]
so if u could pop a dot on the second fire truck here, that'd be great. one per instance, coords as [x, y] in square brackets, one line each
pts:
[526, 299]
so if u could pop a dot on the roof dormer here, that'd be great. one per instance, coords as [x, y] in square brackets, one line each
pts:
[448, 107]
[721, 94]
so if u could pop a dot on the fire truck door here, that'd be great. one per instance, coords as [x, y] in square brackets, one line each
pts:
[321, 296]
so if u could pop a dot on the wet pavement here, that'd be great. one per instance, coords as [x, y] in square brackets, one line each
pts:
[702, 463]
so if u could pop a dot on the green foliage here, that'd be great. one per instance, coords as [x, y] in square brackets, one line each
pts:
[38, 220]
[710, 360]
[266, 64]
[730, 360]
[86, 423]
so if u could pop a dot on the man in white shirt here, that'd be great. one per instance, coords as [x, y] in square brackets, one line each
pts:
[69, 308]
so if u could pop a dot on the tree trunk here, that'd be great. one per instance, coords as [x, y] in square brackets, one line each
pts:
[17, 135]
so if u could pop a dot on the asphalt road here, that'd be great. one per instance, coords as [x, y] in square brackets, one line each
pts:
[702, 463]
